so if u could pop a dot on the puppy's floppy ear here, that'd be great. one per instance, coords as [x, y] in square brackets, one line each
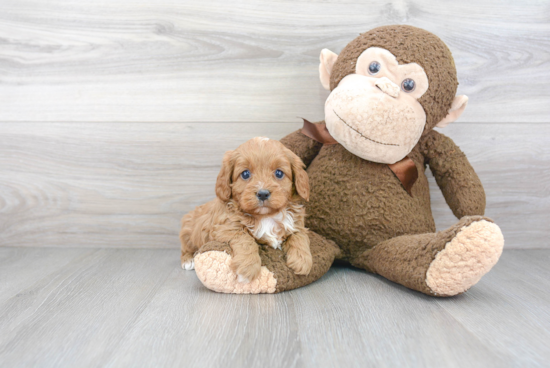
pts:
[223, 183]
[301, 180]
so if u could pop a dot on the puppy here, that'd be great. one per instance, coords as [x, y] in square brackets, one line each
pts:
[258, 190]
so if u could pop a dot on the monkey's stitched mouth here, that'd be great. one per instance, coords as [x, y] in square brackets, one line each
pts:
[361, 134]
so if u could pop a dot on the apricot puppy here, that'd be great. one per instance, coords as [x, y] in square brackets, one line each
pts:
[258, 190]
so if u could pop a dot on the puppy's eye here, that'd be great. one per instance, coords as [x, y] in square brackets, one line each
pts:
[245, 174]
[374, 67]
[408, 85]
[279, 174]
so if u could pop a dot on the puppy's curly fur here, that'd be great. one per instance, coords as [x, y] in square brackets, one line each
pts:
[242, 217]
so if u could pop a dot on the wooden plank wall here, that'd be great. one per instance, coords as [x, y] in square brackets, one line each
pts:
[115, 114]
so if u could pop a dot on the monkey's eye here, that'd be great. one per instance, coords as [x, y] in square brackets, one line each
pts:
[279, 174]
[408, 85]
[374, 67]
[245, 174]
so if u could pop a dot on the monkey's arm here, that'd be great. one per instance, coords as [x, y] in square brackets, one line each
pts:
[454, 175]
[303, 146]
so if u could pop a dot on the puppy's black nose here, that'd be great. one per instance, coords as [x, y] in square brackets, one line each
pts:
[263, 194]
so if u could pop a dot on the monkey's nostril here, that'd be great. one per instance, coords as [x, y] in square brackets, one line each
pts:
[263, 194]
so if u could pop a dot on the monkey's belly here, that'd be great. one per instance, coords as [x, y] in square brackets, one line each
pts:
[358, 203]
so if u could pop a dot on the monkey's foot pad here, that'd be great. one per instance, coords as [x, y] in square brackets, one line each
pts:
[213, 270]
[474, 250]
[212, 265]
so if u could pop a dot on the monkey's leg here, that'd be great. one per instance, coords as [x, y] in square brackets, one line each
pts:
[441, 264]
[212, 264]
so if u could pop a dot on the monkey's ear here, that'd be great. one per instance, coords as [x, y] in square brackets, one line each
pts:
[223, 183]
[457, 108]
[327, 58]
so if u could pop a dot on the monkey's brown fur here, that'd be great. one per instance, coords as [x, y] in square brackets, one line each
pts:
[370, 205]
[363, 208]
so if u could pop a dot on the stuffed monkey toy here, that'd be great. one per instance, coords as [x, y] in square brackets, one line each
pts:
[369, 202]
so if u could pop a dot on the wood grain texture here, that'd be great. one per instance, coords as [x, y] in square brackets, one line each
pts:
[80, 312]
[188, 324]
[128, 185]
[117, 307]
[37, 264]
[516, 296]
[345, 328]
[253, 61]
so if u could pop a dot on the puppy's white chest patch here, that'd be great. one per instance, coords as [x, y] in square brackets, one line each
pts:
[272, 230]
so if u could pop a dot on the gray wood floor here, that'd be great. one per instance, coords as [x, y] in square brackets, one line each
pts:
[91, 307]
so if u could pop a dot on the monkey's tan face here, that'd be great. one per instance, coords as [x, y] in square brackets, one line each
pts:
[375, 112]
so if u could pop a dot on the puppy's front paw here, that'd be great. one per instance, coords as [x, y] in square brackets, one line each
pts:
[246, 267]
[299, 260]
[187, 262]
[189, 265]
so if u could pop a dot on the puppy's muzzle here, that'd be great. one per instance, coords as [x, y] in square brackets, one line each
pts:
[263, 194]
